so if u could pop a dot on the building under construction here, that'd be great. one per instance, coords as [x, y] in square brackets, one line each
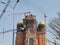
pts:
[29, 32]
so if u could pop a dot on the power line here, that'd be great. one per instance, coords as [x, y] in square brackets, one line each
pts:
[7, 31]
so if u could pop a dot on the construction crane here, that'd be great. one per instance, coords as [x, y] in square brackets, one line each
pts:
[15, 29]
[5, 8]
[25, 13]
[44, 14]
[13, 21]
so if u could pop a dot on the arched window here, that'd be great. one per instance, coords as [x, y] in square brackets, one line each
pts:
[31, 41]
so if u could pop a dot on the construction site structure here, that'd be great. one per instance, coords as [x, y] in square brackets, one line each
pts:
[29, 32]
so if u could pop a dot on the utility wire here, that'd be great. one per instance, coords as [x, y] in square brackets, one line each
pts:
[7, 31]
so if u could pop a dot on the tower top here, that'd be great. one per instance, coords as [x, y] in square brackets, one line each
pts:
[42, 23]
[20, 22]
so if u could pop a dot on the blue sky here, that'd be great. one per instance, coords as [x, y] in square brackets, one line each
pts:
[50, 7]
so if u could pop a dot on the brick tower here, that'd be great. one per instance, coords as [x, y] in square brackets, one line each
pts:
[28, 33]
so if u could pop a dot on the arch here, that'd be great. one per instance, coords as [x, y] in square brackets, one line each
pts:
[31, 41]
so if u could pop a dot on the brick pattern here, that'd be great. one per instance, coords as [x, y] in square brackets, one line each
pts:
[20, 38]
